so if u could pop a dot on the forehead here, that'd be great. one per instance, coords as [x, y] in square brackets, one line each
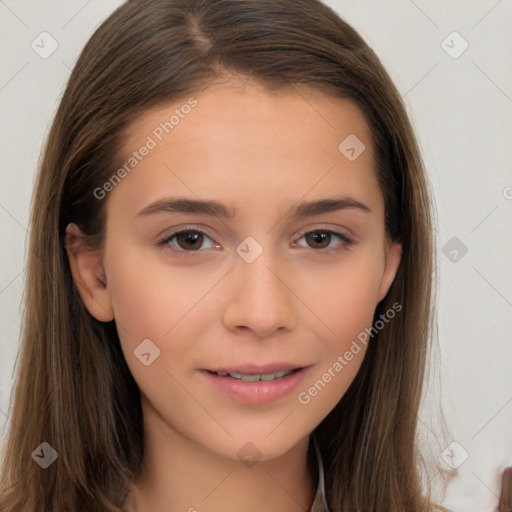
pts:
[244, 110]
[236, 139]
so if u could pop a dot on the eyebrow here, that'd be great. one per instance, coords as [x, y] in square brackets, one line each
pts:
[217, 209]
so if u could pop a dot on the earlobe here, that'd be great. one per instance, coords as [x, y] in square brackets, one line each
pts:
[88, 275]
[393, 257]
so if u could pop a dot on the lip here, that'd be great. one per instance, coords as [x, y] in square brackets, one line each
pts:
[252, 368]
[259, 392]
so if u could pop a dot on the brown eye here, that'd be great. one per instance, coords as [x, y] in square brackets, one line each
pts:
[318, 239]
[331, 241]
[189, 240]
[188, 243]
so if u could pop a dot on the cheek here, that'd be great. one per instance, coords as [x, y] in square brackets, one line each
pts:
[344, 301]
[149, 297]
[344, 296]
[156, 313]
[348, 314]
[169, 306]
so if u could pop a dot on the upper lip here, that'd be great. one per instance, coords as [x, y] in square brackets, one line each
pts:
[257, 369]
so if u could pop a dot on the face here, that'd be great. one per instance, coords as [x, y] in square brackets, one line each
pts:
[282, 273]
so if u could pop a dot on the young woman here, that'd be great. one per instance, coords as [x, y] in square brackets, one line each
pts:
[229, 289]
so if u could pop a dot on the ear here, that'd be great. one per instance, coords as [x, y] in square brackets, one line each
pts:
[392, 260]
[88, 275]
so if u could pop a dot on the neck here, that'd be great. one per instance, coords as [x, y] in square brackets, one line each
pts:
[180, 475]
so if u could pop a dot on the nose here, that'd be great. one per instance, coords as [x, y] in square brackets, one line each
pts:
[261, 297]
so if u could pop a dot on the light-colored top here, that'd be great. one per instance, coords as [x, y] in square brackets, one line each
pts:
[319, 503]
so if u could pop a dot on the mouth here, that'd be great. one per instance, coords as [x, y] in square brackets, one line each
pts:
[255, 377]
[255, 385]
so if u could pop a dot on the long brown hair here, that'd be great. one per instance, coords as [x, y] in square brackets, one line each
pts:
[73, 388]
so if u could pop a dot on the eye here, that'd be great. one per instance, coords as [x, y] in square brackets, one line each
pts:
[193, 240]
[187, 240]
[323, 238]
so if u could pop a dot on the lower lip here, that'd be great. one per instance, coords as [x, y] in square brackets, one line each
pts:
[255, 393]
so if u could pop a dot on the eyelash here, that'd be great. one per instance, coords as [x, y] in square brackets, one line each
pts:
[346, 242]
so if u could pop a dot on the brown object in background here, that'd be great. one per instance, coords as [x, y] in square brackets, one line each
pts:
[505, 500]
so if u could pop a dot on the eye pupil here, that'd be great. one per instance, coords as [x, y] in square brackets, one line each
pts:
[190, 237]
[319, 237]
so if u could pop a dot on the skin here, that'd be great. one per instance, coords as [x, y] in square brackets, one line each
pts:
[300, 302]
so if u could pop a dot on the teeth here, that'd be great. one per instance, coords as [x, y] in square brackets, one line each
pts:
[248, 377]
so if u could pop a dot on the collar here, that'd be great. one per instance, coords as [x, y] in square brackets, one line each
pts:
[319, 503]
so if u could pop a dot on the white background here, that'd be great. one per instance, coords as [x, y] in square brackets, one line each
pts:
[461, 109]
